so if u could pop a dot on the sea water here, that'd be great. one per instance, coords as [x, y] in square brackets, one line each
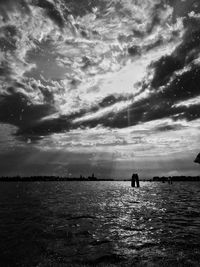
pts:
[99, 224]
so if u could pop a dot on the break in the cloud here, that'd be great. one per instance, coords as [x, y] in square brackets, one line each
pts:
[78, 75]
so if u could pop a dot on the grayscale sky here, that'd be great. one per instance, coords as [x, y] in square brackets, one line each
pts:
[103, 86]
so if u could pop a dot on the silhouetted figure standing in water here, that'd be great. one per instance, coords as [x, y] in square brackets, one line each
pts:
[135, 179]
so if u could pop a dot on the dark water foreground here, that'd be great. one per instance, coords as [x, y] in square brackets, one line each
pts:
[99, 224]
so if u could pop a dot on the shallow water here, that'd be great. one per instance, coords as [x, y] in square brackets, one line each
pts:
[99, 224]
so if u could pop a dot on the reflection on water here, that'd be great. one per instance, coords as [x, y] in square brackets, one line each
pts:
[93, 223]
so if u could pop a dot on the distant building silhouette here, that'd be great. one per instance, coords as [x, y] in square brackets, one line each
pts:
[92, 178]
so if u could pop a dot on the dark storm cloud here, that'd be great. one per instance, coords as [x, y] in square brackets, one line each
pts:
[81, 8]
[181, 57]
[63, 123]
[164, 68]
[176, 87]
[161, 104]
[134, 50]
[5, 70]
[16, 109]
[158, 105]
[45, 127]
[74, 7]
[51, 11]
[142, 114]
[107, 101]
[189, 113]
[182, 87]
[7, 39]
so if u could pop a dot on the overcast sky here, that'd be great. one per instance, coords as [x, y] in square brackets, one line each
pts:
[104, 86]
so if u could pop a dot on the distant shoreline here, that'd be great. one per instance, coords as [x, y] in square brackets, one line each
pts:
[49, 179]
[57, 179]
[162, 179]
[180, 178]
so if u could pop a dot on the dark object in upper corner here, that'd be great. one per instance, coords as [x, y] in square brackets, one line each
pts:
[197, 160]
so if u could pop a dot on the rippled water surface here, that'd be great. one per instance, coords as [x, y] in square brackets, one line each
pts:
[99, 224]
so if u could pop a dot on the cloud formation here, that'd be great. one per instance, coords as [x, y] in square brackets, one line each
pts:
[61, 54]
[86, 65]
